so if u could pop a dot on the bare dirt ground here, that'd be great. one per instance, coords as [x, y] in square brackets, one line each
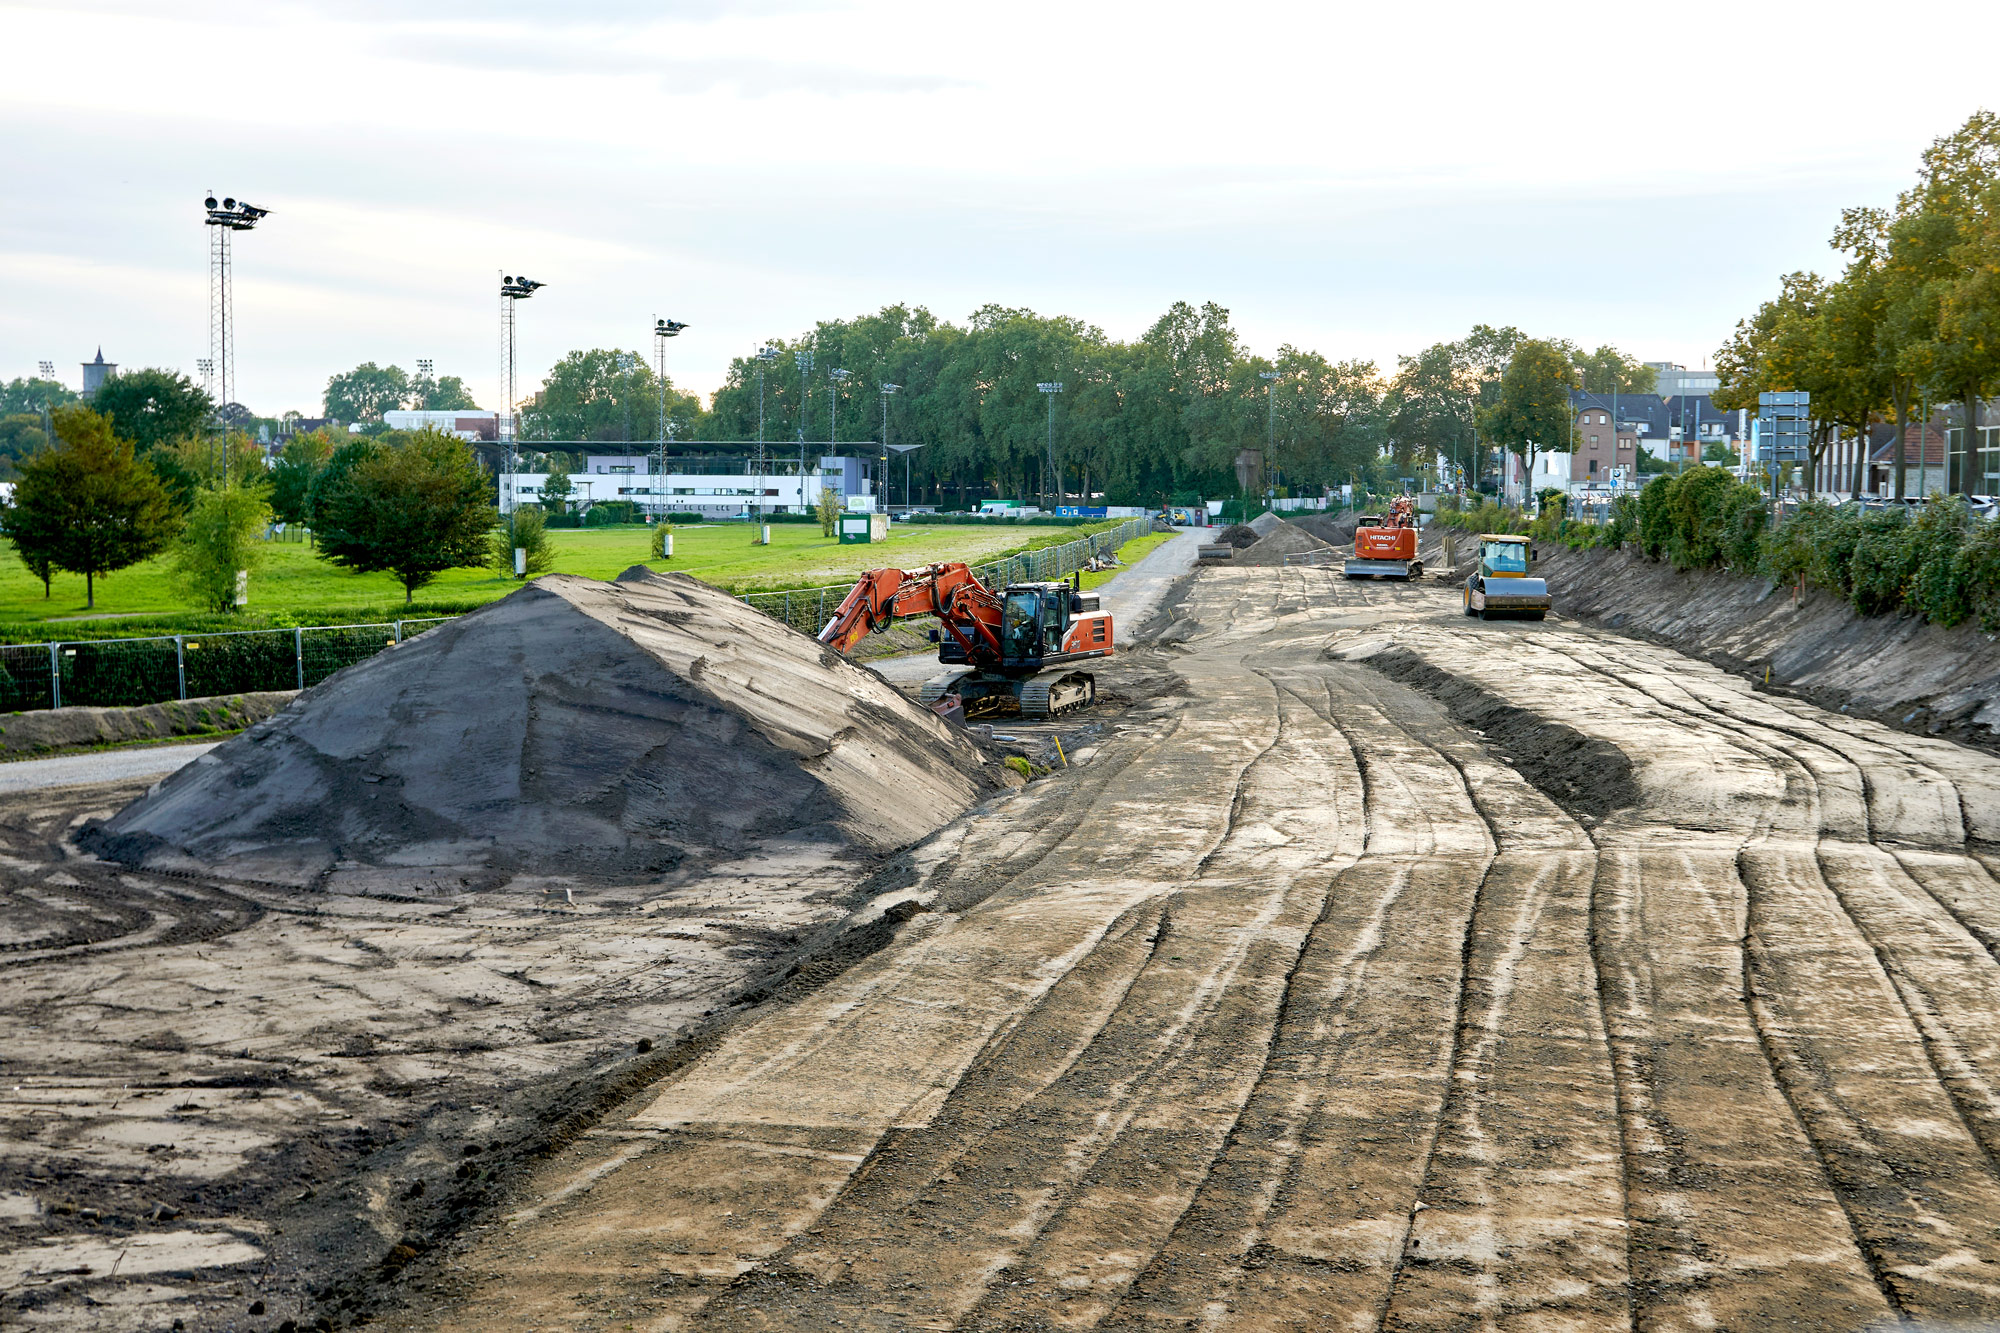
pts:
[1372, 968]
[1393, 970]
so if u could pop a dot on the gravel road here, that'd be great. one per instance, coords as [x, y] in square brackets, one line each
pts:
[75, 770]
[1392, 971]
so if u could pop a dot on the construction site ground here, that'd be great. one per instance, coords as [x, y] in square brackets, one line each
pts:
[1368, 967]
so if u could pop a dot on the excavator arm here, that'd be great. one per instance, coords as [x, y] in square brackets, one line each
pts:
[967, 610]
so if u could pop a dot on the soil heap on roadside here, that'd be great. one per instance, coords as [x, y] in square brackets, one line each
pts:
[1281, 539]
[575, 729]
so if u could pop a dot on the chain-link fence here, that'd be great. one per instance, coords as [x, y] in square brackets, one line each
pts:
[118, 673]
[808, 609]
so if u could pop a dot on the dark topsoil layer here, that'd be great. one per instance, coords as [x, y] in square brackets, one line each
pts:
[574, 728]
[1894, 669]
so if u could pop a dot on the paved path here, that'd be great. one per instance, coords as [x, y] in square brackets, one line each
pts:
[73, 770]
[1131, 597]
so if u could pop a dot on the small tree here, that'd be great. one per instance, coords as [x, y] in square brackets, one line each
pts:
[84, 505]
[829, 510]
[415, 510]
[556, 489]
[219, 539]
[531, 534]
[292, 478]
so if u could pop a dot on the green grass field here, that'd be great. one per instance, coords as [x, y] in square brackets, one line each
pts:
[295, 586]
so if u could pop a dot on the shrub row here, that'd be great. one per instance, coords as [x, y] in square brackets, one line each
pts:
[1936, 561]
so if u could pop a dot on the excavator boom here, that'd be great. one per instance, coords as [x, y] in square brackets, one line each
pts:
[961, 603]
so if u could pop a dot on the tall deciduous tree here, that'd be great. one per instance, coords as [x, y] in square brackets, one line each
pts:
[415, 509]
[85, 505]
[153, 407]
[596, 395]
[1532, 412]
[366, 392]
[1608, 370]
[32, 395]
[292, 477]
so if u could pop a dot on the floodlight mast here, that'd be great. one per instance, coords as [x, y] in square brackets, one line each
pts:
[887, 389]
[663, 329]
[223, 218]
[512, 289]
[803, 359]
[1051, 388]
[765, 355]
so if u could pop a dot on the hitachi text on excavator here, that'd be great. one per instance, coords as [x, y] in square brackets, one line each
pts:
[1010, 653]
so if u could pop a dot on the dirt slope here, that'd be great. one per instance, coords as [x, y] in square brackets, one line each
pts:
[576, 728]
[1305, 1004]
[1895, 669]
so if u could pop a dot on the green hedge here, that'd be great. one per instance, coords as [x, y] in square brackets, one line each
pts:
[1936, 562]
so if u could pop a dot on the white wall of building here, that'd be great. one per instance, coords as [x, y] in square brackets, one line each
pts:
[714, 496]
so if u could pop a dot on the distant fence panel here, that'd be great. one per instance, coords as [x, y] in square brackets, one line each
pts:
[122, 673]
[808, 609]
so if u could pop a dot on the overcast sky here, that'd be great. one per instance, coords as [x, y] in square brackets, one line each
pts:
[1360, 180]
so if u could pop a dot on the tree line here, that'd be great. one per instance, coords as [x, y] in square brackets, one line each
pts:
[1158, 419]
[1914, 315]
[107, 492]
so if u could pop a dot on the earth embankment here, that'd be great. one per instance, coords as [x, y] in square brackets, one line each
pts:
[1895, 669]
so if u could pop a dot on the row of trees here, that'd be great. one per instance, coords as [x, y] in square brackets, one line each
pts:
[1163, 416]
[92, 502]
[364, 393]
[1915, 313]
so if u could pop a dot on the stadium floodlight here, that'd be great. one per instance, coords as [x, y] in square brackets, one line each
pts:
[1052, 388]
[667, 328]
[48, 369]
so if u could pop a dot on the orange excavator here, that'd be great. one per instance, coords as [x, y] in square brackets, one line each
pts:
[1385, 545]
[1005, 653]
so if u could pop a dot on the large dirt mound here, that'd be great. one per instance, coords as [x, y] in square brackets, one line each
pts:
[1264, 523]
[1333, 529]
[1282, 540]
[576, 728]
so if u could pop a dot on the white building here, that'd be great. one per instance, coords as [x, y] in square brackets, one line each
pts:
[468, 424]
[710, 494]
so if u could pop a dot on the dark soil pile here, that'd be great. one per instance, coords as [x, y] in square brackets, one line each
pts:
[1282, 540]
[1895, 669]
[574, 729]
[1333, 529]
[1238, 535]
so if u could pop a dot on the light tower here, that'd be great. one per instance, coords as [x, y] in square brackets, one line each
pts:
[48, 369]
[1051, 388]
[663, 329]
[512, 289]
[224, 220]
[887, 389]
[426, 380]
[765, 355]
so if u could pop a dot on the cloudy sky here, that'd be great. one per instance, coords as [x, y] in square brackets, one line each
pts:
[1361, 180]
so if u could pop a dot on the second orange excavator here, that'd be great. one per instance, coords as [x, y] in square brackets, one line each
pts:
[1010, 653]
[1385, 545]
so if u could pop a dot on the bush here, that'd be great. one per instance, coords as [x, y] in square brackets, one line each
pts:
[610, 513]
[1935, 589]
[1977, 569]
[530, 535]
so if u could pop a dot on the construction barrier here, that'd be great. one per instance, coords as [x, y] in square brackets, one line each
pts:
[808, 609]
[122, 673]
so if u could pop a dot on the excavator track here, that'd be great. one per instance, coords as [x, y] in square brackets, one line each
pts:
[1048, 696]
[937, 687]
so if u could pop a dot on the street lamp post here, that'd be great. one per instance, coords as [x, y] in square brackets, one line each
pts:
[803, 358]
[1270, 378]
[887, 389]
[1050, 389]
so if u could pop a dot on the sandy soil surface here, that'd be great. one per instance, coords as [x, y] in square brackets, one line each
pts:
[1371, 968]
[1896, 669]
[1388, 970]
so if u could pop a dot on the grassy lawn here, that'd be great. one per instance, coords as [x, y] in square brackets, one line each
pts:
[295, 586]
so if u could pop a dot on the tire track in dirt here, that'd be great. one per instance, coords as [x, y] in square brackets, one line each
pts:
[1859, 1088]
